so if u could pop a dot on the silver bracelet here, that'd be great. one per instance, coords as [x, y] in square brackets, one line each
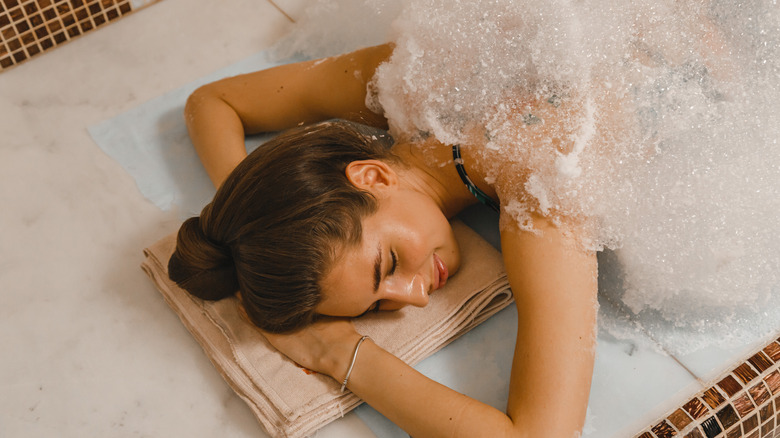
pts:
[352, 365]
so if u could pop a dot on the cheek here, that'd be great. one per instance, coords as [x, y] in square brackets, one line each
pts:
[454, 261]
[451, 250]
[416, 240]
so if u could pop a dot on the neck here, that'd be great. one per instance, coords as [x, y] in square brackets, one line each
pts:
[440, 182]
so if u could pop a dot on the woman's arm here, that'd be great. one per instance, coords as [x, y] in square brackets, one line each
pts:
[220, 114]
[555, 287]
[554, 284]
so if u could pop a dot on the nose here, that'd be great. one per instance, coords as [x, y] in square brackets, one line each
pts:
[401, 292]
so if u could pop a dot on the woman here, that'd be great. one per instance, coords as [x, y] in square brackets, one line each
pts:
[371, 233]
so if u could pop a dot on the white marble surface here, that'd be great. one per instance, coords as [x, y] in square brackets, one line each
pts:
[89, 348]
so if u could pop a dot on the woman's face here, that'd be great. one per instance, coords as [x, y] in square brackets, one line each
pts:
[407, 251]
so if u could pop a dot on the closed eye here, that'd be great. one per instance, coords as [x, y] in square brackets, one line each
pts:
[394, 265]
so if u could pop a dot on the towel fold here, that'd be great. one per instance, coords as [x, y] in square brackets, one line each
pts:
[286, 400]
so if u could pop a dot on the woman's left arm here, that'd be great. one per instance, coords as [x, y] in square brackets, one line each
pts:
[554, 284]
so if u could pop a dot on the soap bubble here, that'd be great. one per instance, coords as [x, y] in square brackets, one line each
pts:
[654, 123]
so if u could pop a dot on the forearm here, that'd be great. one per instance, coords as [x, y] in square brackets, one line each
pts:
[554, 367]
[555, 286]
[216, 132]
[421, 406]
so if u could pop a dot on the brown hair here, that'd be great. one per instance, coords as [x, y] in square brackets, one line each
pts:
[274, 227]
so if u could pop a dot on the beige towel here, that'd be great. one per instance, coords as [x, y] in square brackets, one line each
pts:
[286, 400]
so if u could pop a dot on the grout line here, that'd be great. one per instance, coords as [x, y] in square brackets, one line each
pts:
[656, 342]
[273, 3]
[669, 354]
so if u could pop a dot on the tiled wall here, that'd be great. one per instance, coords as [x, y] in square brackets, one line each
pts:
[30, 27]
[743, 403]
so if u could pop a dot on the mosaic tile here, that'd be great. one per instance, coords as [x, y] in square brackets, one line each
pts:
[745, 373]
[28, 39]
[30, 8]
[773, 381]
[760, 362]
[750, 424]
[759, 393]
[739, 405]
[679, 419]
[695, 433]
[54, 26]
[713, 397]
[767, 428]
[646, 435]
[729, 385]
[664, 430]
[695, 408]
[727, 416]
[766, 412]
[16, 14]
[773, 351]
[60, 38]
[711, 427]
[743, 405]
[31, 27]
[22, 27]
[734, 433]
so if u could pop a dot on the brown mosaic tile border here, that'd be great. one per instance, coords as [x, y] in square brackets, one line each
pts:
[30, 27]
[745, 402]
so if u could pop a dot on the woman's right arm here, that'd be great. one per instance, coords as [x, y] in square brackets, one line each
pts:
[220, 114]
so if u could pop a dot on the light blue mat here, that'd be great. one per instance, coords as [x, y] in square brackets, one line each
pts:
[151, 143]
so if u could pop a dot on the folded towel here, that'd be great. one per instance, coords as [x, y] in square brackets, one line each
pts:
[291, 403]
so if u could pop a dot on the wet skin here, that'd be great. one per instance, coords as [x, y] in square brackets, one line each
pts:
[407, 251]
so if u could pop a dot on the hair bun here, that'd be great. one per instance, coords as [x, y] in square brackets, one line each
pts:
[200, 266]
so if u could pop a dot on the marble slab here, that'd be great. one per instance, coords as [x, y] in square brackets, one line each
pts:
[153, 147]
[89, 347]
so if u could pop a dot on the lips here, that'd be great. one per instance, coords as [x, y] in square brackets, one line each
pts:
[441, 274]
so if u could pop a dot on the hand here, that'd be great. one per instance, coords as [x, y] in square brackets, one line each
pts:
[325, 346]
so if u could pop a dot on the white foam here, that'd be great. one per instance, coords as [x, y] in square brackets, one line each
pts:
[653, 121]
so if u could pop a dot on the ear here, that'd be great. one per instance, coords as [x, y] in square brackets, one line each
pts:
[374, 176]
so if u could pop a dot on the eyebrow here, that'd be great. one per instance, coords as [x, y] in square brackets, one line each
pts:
[378, 268]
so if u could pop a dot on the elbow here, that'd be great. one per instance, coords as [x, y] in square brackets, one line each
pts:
[196, 101]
